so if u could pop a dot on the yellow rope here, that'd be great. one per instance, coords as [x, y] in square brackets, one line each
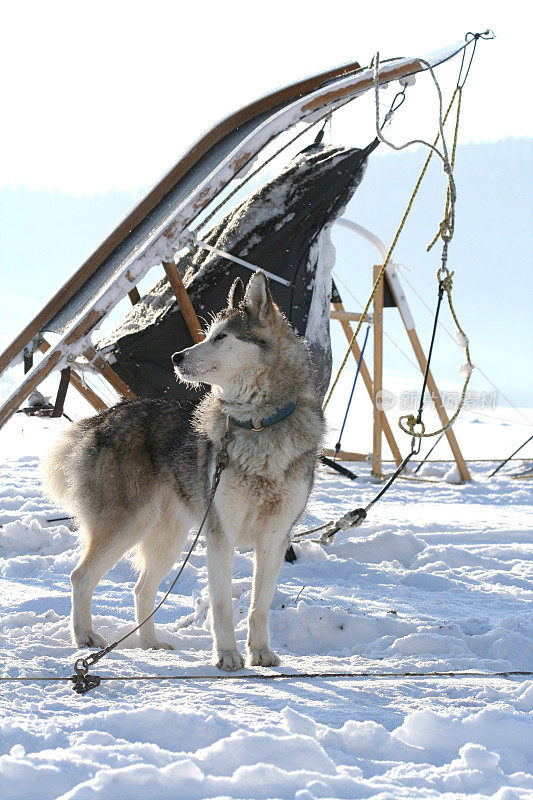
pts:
[445, 232]
[391, 250]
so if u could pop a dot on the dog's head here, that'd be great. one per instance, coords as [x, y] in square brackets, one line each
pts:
[240, 342]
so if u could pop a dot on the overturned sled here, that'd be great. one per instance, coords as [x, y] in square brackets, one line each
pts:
[149, 234]
[285, 228]
[282, 228]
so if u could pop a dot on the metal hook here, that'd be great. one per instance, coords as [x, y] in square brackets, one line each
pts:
[398, 101]
[82, 680]
[471, 37]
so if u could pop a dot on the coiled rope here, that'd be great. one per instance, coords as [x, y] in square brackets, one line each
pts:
[410, 424]
[356, 517]
[394, 241]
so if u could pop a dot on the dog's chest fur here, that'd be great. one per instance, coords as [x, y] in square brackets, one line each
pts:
[269, 474]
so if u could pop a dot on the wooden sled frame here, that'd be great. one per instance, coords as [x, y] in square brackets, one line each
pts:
[147, 236]
[374, 387]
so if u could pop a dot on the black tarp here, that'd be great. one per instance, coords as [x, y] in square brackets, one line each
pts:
[277, 228]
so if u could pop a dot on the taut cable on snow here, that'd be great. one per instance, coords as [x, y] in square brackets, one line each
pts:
[272, 676]
[510, 457]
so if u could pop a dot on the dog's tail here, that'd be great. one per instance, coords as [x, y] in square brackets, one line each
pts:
[56, 468]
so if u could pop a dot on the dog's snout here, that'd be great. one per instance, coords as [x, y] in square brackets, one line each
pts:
[177, 358]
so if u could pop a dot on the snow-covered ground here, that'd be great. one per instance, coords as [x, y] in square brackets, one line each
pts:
[440, 577]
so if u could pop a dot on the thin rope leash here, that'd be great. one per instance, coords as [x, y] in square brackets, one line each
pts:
[82, 680]
[356, 517]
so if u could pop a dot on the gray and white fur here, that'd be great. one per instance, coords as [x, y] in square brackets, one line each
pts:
[137, 477]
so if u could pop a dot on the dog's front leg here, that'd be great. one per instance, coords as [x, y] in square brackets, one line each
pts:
[268, 558]
[220, 554]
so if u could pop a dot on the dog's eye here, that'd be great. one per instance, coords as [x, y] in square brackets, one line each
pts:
[219, 337]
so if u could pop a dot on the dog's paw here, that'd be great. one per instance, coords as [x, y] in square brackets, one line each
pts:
[264, 658]
[229, 660]
[89, 639]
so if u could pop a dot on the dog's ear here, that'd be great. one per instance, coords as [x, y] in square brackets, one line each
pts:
[257, 299]
[236, 293]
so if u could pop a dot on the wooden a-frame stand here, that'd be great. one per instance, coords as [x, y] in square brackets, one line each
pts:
[391, 286]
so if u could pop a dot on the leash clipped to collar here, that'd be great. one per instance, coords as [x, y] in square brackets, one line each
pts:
[277, 416]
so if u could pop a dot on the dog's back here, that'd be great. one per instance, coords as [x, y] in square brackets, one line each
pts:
[112, 464]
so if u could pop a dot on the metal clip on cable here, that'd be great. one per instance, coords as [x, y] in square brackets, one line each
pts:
[82, 680]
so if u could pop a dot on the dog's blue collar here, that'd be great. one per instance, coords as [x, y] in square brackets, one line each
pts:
[286, 411]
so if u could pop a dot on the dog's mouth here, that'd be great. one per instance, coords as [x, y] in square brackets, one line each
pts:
[192, 374]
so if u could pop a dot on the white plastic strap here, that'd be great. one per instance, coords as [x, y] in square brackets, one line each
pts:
[188, 238]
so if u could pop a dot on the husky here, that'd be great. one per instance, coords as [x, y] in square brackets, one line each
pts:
[138, 476]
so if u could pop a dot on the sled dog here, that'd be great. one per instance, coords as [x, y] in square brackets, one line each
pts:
[138, 476]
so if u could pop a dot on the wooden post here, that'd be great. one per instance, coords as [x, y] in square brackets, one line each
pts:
[378, 376]
[134, 295]
[92, 398]
[365, 374]
[439, 407]
[184, 301]
[61, 393]
[408, 321]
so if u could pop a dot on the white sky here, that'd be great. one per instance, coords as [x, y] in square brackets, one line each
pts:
[108, 95]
